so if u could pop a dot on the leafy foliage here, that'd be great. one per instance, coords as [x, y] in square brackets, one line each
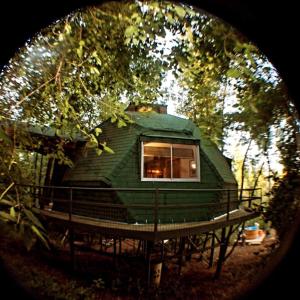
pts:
[20, 213]
[87, 67]
[74, 74]
[285, 200]
[285, 203]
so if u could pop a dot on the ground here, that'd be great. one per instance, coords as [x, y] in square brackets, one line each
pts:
[47, 275]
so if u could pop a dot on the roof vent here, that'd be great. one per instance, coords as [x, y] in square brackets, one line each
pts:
[159, 108]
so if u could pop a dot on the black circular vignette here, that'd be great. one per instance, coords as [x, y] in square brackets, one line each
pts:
[272, 26]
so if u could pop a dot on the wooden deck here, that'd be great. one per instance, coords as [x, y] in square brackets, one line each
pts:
[148, 231]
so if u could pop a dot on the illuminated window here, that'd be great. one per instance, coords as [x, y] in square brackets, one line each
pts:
[170, 162]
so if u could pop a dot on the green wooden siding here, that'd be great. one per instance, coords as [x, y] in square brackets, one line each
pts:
[129, 176]
[122, 169]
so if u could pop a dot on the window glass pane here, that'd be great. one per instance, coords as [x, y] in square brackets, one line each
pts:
[183, 153]
[157, 151]
[157, 160]
[184, 161]
[164, 160]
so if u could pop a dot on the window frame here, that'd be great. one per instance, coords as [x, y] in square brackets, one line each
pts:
[195, 179]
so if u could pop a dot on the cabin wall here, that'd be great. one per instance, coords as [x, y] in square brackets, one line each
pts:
[231, 192]
[129, 175]
[123, 169]
[92, 170]
[89, 202]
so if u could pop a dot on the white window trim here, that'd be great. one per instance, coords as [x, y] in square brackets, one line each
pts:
[197, 179]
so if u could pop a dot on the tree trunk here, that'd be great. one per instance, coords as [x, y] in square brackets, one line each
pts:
[243, 169]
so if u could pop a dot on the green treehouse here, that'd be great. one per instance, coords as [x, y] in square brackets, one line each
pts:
[158, 158]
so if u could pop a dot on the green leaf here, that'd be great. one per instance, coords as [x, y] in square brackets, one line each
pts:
[121, 123]
[180, 11]
[68, 28]
[234, 73]
[127, 41]
[135, 41]
[7, 202]
[58, 132]
[4, 137]
[40, 235]
[130, 31]
[94, 70]
[107, 149]
[170, 18]
[12, 212]
[97, 131]
[79, 52]
[98, 60]
[32, 218]
[61, 37]
[6, 217]
[98, 151]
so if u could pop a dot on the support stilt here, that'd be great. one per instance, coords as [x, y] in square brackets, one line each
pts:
[120, 246]
[223, 248]
[162, 250]
[175, 245]
[115, 251]
[204, 246]
[181, 253]
[212, 250]
[189, 250]
[138, 248]
[149, 247]
[101, 244]
[72, 248]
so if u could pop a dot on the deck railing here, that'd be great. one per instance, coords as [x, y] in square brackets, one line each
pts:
[66, 199]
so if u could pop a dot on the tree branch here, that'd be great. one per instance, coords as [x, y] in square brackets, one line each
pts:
[30, 94]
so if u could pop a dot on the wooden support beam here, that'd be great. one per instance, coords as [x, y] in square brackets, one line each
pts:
[181, 253]
[120, 246]
[223, 247]
[162, 251]
[149, 247]
[139, 248]
[144, 244]
[175, 245]
[41, 169]
[237, 240]
[72, 248]
[115, 251]
[101, 243]
[204, 246]
[212, 250]
[225, 239]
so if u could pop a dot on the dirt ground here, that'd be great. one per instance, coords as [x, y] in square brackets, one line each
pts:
[46, 275]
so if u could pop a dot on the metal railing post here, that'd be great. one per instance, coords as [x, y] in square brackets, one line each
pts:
[71, 231]
[156, 210]
[71, 205]
[228, 205]
[249, 201]
[52, 194]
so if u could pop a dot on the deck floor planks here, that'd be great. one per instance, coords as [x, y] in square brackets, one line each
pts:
[146, 231]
